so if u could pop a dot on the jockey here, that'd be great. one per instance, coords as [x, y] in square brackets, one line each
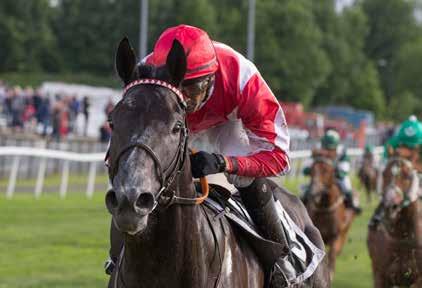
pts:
[368, 154]
[232, 108]
[330, 147]
[408, 140]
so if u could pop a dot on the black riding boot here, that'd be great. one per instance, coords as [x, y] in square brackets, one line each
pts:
[377, 217]
[259, 201]
[349, 203]
[116, 244]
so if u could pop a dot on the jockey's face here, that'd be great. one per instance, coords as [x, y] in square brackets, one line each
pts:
[196, 91]
[331, 153]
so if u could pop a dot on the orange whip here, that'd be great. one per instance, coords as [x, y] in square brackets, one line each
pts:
[204, 187]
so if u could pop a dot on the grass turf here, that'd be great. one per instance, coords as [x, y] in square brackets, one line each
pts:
[51, 242]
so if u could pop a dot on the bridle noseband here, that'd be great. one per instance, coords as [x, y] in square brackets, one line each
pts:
[168, 176]
[392, 185]
[333, 207]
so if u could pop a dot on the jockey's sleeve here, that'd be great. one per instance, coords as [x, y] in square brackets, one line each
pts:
[266, 128]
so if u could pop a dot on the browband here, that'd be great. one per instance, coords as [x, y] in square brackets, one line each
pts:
[150, 81]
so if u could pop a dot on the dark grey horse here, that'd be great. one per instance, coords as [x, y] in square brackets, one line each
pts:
[169, 240]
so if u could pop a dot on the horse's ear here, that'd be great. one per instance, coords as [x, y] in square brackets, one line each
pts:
[176, 63]
[125, 61]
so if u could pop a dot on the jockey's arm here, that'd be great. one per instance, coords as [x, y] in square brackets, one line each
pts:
[343, 169]
[266, 128]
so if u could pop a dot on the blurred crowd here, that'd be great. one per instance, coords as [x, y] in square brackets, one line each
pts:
[28, 110]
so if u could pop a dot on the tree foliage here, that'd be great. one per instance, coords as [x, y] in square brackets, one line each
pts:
[368, 55]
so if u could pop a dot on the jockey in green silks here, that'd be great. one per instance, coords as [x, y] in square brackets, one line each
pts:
[408, 140]
[330, 146]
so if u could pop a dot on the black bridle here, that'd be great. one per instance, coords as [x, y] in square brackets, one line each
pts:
[165, 197]
[333, 207]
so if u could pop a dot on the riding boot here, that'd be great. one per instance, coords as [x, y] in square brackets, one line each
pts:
[116, 244]
[259, 201]
[350, 203]
[377, 217]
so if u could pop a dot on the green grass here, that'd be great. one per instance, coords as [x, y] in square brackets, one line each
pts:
[53, 243]
[63, 243]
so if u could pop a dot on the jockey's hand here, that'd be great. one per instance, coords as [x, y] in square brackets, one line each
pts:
[203, 163]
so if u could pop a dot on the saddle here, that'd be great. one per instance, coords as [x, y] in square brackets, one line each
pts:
[224, 203]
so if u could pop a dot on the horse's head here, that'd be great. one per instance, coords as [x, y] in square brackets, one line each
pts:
[148, 143]
[400, 185]
[322, 175]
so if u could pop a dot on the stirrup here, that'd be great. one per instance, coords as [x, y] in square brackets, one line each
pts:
[109, 266]
[283, 273]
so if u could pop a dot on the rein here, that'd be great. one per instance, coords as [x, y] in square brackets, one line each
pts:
[330, 209]
[392, 185]
[333, 207]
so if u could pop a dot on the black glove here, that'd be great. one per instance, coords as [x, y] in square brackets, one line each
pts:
[203, 163]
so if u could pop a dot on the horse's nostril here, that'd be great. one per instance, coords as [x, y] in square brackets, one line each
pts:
[111, 200]
[145, 201]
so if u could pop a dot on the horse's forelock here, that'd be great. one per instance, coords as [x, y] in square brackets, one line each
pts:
[149, 71]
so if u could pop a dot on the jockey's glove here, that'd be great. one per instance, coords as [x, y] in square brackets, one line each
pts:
[203, 164]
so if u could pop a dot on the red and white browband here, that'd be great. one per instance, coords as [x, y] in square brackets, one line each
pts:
[161, 83]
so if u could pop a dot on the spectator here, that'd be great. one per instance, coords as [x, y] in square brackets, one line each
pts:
[105, 132]
[74, 107]
[85, 111]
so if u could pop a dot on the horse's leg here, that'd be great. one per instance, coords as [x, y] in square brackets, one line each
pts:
[417, 284]
[341, 239]
[331, 259]
[116, 242]
[321, 276]
[368, 193]
[379, 281]
[111, 281]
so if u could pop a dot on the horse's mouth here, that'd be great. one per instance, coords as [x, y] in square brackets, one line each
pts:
[131, 225]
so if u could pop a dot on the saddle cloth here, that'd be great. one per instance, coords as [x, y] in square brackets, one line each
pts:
[306, 254]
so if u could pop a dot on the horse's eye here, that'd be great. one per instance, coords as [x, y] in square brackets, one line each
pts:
[177, 127]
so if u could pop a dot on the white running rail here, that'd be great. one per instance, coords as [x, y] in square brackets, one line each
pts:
[298, 159]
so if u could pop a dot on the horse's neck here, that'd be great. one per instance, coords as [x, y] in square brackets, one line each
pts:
[407, 223]
[334, 193]
[166, 247]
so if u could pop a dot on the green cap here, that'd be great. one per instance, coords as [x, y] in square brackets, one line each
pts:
[369, 148]
[410, 133]
[330, 140]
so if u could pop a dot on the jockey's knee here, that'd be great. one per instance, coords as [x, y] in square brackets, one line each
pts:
[257, 194]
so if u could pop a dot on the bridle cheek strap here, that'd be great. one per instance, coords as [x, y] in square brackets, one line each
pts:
[166, 179]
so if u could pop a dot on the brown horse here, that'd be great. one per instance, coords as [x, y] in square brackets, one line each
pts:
[169, 240]
[368, 176]
[326, 207]
[395, 245]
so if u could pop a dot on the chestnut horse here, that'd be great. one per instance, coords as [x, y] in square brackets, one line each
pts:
[326, 207]
[169, 239]
[368, 176]
[395, 245]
